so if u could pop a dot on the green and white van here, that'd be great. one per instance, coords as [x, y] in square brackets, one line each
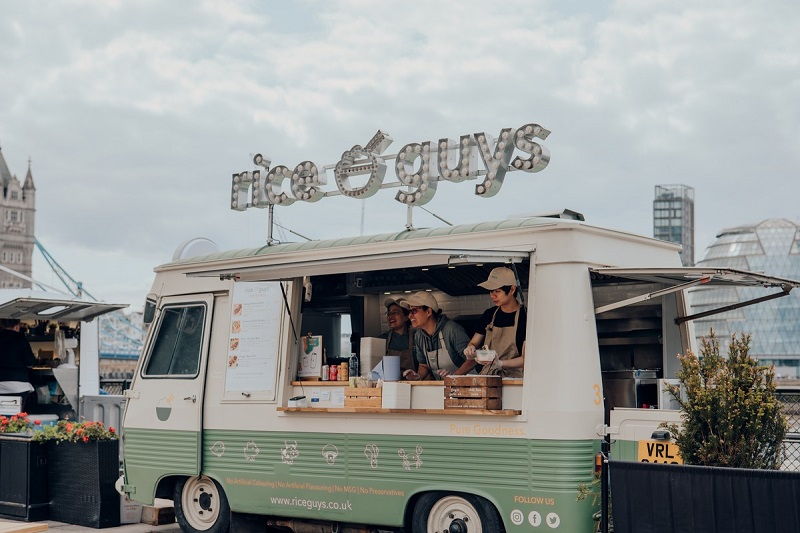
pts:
[209, 424]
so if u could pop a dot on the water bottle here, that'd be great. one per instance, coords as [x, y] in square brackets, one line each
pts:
[354, 370]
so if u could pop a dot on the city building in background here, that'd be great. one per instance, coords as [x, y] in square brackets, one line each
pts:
[17, 210]
[673, 218]
[771, 247]
[121, 339]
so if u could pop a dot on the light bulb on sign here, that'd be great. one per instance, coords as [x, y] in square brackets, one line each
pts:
[306, 182]
[461, 170]
[425, 187]
[539, 155]
[357, 162]
[496, 161]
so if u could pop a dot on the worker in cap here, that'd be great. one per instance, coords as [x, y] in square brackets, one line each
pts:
[502, 326]
[399, 337]
[439, 343]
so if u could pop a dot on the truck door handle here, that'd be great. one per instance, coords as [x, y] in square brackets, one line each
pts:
[192, 397]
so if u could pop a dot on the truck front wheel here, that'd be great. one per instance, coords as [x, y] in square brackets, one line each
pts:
[456, 513]
[201, 506]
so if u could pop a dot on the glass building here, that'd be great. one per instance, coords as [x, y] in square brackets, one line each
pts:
[771, 247]
[673, 218]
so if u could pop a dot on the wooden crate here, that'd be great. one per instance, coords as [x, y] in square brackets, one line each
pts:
[363, 397]
[473, 381]
[473, 403]
[473, 392]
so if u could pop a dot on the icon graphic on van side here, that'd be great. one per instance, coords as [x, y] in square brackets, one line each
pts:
[517, 517]
[553, 520]
[218, 449]
[371, 452]
[289, 452]
[330, 452]
[251, 451]
[164, 407]
[411, 459]
[535, 518]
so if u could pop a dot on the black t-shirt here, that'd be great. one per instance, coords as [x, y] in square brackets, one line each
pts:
[505, 320]
[15, 356]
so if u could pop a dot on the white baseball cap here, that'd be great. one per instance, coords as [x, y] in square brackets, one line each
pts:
[423, 299]
[499, 277]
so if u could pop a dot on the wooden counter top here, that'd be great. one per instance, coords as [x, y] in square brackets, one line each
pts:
[506, 382]
[379, 410]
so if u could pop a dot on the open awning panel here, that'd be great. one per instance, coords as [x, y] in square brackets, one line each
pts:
[58, 309]
[677, 279]
[363, 263]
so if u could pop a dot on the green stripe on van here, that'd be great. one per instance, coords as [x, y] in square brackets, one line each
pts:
[151, 454]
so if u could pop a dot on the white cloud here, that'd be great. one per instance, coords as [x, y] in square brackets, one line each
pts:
[137, 113]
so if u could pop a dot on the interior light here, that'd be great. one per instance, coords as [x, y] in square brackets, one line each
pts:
[407, 292]
[387, 293]
[425, 269]
[451, 266]
[428, 290]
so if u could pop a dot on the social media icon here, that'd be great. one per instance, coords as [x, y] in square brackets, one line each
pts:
[535, 518]
[553, 520]
[517, 517]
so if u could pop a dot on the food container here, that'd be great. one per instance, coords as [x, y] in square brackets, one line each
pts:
[485, 356]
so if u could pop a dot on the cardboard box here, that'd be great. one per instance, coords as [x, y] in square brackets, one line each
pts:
[130, 512]
[396, 395]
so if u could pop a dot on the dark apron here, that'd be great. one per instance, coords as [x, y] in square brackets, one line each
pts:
[407, 361]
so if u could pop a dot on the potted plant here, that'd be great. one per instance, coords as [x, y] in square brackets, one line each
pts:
[23, 470]
[82, 467]
[731, 438]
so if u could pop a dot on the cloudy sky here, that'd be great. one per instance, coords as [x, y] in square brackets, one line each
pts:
[135, 114]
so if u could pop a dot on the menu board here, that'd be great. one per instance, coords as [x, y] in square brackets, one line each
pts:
[256, 309]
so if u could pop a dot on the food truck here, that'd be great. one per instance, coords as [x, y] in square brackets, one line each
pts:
[218, 420]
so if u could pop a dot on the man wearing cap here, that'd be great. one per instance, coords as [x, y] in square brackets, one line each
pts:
[439, 342]
[503, 325]
[399, 338]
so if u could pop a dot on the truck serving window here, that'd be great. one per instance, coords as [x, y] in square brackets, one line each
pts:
[176, 349]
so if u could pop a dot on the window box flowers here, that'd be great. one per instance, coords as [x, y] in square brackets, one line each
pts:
[23, 470]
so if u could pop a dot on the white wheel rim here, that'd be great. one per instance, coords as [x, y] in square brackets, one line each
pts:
[200, 502]
[454, 514]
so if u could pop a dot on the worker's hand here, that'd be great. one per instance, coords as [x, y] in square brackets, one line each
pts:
[497, 364]
[442, 372]
[410, 375]
[469, 351]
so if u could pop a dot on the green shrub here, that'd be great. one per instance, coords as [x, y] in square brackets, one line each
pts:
[730, 415]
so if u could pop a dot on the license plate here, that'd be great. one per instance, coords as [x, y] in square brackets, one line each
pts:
[657, 451]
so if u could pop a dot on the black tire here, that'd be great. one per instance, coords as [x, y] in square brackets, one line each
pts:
[446, 511]
[201, 506]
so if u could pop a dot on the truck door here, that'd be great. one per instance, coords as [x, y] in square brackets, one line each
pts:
[163, 419]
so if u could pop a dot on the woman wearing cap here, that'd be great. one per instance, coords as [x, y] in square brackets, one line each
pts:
[399, 338]
[439, 342]
[503, 325]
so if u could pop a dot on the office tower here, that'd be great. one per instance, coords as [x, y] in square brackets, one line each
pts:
[673, 218]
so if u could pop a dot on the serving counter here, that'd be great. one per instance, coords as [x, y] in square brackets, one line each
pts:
[427, 398]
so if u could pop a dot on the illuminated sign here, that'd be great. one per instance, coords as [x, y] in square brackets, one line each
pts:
[419, 167]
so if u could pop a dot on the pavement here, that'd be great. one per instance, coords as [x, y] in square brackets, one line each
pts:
[8, 526]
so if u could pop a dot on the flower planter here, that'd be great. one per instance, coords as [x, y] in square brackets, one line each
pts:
[23, 478]
[81, 479]
[663, 498]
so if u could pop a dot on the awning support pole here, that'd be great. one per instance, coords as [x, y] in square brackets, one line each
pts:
[650, 295]
[786, 290]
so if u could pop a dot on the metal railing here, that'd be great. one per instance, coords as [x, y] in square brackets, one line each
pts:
[115, 386]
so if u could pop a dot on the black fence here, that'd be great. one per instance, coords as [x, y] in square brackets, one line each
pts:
[656, 498]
